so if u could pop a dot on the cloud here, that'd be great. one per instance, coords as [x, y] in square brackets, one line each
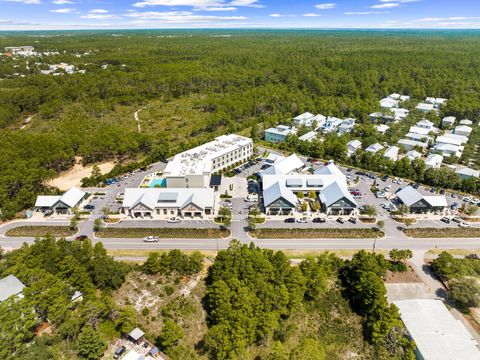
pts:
[62, 2]
[326, 6]
[217, 5]
[99, 14]
[15, 23]
[98, 11]
[388, 5]
[26, 1]
[399, 1]
[452, 18]
[179, 17]
[63, 11]
[311, 15]
[366, 12]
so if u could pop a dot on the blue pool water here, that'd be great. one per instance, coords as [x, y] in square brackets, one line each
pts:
[158, 183]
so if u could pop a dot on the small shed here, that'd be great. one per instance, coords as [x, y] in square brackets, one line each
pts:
[136, 335]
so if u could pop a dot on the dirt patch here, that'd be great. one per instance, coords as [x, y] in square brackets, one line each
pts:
[74, 176]
[409, 276]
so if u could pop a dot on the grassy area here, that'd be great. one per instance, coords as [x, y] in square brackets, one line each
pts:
[443, 232]
[176, 233]
[462, 252]
[41, 231]
[329, 233]
[342, 253]
[146, 252]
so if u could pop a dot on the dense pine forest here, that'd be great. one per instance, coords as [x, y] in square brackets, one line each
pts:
[194, 85]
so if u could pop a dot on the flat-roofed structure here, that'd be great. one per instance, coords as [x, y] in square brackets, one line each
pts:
[437, 334]
[10, 286]
[279, 133]
[193, 168]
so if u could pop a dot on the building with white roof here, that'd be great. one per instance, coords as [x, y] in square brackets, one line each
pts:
[434, 161]
[274, 158]
[10, 286]
[382, 128]
[346, 126]
[329, 183]
[279, 133]
[388, 103]
[162, 203]
[60, 204]
[447, 136]
[399, 97]
[418, 137]
[447, 150]
[463, 130]
[408, 144]
[353, 146]
[374, 148]
[309, 136]
[193, 168]
[391, 153]
[466, 173]
[437, 334]
[448, 121]
[424, 107]
[466, 122]
[331, 124]
[397, 115]
[421, 204]
[413, 154]
[285, 166]
[309, 120]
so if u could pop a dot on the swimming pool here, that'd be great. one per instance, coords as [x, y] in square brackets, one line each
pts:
[156, 183]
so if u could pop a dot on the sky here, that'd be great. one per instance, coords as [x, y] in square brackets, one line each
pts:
[126, 14]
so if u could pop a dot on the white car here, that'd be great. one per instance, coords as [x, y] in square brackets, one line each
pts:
[400, 182]
[173, 220]
[151, 239]
[388, 188]
[467, 199]
[380, 195]
[303, 220]
[395, 181]
[464, 225]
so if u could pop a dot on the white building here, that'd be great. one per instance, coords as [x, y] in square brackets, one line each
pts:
[466, 173]
[399, 97]
[413, 154]
[10, 286]
[382, 128]
[408, 144]
[346, 126]
[388, 103]
[437, 334]
[162, 203]
[374, 148]
[285, 166]
[421, 204]
[193, 168]
[353, 146]
[463, 130]
[434, 161]
[466, 122]
[309, 120]
[309, 136]
[448, 150]
[60, 204]
[391, 153]
[424, 107]
[448, 121]
[331, 124]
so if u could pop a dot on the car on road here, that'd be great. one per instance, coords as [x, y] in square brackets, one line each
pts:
[151, 239]
[173, 220]
[445, 220]
[89, 207]
[464, 224]
[302, 220]
[319, 220]
[340, 220]
[352, 220]
[81, 237]
[289, 220]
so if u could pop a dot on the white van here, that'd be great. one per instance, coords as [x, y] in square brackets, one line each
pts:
[251, 198]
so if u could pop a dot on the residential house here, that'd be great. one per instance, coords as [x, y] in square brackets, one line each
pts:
[163, 203]
[421, 204]
[448, 121]
[331, 124]
[463, 130]
[382, 128]
[388, 103]
[391, 153]
[10, 286]
[374, 148]
[346, 126]
[279, 133]
[60, 204]
[466, 173]
[353, 146]
[424, 107]
[413, 154]
[303, 119]
[274, 158]
[137, 336]
[447, 150]
[466, 122]
[399, 97]
[434, 161]
[408, 144]
[309, 136]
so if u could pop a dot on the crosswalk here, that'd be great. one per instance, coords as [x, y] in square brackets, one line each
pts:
[239, 217]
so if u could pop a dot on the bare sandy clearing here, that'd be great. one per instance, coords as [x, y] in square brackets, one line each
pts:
[73, 177]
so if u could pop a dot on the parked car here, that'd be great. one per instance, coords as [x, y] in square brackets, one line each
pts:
[442, 192]
[119, 352]
[81, 237]
[395, 181]
[445, 220]
[385, 178]
[289, 220]
[352, 220]
[302, 220]
[89, 207]
[464, 225]
[174, 219]
[454, 206]
[416, 186]
[151, 239]
[380, 195]
[457, 220]
[388, 188]
[251, 198]
[466, 199]
[319, 220]
[340, 220]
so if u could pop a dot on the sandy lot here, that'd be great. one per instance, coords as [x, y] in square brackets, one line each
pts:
[73, 177]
